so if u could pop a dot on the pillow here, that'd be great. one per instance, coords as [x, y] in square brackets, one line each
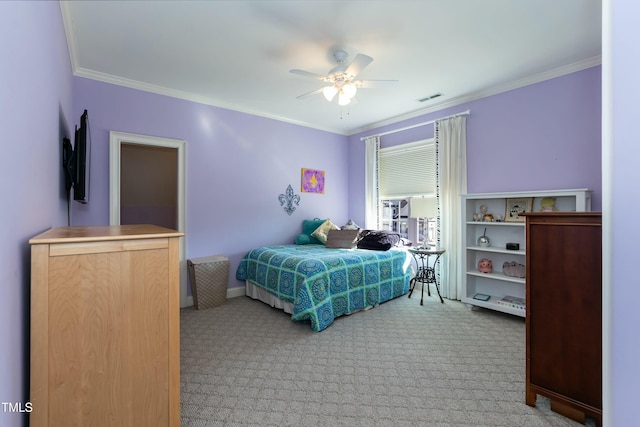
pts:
[322, 231]
[378, 240]
[350, 225]
[343, 239]
[303, 239]
[308, 227]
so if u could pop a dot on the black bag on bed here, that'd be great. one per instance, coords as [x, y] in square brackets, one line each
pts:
[378, 240]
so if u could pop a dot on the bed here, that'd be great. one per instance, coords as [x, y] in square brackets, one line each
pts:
[319, 284]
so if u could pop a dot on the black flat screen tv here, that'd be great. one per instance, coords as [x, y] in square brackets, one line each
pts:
[77, 161]
[82, 160]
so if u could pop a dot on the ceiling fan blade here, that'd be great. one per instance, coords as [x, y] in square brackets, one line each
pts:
[368, 84]
[358, 64]
[308, 74]
[313, 92]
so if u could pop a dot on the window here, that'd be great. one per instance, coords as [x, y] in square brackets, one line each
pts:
[408, 170]
[408, 174]
[395, 216]
[427, 231]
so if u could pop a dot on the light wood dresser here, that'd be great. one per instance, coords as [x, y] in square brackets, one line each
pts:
[105, 327]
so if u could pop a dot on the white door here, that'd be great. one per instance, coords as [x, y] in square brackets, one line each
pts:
[147, 185]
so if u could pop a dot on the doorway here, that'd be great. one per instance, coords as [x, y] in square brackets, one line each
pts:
[147, 186]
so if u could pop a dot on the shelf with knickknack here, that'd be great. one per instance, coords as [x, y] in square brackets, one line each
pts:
[493, 243]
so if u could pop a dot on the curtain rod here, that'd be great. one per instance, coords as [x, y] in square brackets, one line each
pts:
[463, 113]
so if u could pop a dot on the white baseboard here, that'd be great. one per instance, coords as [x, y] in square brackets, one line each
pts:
[231, 293]
[236, 292]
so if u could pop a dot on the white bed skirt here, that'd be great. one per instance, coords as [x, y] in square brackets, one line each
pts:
[260, 294]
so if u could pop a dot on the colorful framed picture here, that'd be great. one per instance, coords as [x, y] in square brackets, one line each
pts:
[514, 207]
[312, 181]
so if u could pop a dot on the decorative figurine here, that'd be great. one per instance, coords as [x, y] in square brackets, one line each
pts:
[485, 265]
[514, 269]
[484, 214]
[548, 204]
[483, 241]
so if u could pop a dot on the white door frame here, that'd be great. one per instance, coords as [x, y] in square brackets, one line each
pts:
[116, 139]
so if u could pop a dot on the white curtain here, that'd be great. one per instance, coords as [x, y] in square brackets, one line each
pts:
[372, 183]
[451, 182]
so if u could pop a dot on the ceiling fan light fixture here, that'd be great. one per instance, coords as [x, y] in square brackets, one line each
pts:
[329, 92]
[343, 99]
[349, 90]
[341, 79]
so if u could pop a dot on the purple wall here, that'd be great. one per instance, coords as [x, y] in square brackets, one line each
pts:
[237, 166]
[544, 136]
[539, 137]
[35, 107]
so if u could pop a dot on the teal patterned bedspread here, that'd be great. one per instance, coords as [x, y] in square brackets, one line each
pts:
[323, 284]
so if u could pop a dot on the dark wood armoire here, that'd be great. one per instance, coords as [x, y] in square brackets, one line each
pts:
[564, 312]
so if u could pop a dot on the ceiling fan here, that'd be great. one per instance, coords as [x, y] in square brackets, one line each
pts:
[342, 78]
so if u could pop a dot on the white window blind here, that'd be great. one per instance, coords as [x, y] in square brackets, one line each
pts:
[408, 170]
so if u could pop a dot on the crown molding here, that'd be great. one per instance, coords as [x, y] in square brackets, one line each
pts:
[494, 90]
[70, 35]
[160, 90]
[187, 96]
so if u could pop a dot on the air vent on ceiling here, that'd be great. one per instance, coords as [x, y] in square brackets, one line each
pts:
[430, 97]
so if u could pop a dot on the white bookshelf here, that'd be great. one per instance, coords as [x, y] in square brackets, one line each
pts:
[497, 284]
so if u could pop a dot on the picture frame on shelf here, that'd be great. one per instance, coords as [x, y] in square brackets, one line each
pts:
[514, 207]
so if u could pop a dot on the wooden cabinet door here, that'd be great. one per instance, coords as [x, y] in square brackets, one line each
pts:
[564, 310]
[108, 336]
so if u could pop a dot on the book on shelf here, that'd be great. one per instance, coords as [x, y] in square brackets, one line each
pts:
[513, 302]
[482, 297]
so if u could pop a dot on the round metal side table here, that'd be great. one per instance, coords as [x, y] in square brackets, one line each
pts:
[426, 271]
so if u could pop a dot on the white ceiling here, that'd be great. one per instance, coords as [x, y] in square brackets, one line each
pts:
[237, 54]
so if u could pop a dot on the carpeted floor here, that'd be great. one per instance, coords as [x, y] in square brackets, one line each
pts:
[399, 364]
